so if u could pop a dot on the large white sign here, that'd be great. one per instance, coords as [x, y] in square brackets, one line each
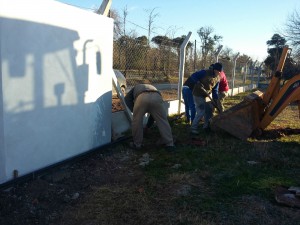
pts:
[55, 84]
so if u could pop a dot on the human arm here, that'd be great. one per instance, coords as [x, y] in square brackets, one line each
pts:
[129, 99]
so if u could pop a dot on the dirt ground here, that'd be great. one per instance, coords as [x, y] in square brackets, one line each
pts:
[46, 198]
[53, 197]
[116, 104]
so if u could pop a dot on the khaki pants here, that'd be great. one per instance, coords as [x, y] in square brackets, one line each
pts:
[203, 109]
[221, 99]
[151, 102]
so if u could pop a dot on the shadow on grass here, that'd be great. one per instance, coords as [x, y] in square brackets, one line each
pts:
[272, 134]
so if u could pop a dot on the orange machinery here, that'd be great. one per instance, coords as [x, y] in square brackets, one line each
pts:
[258, 109]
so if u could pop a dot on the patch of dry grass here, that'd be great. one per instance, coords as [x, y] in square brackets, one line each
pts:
[225, 181]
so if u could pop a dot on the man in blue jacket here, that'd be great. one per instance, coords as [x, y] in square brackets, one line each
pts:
[203, 83]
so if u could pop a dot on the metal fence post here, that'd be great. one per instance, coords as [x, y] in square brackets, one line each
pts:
[246, 71]
[104, 7]
[233, 72]
[259, 73]
[252, 72]
[181, 69]
[217, 53]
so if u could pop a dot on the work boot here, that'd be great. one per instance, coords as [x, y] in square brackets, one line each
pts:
[193, 131]
[134, 146]
[170, 148]
[207, 130]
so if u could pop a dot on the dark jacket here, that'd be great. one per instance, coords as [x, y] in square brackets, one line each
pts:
[206, 79]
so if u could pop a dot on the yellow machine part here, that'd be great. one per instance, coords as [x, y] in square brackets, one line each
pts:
[290, 92]
[258, 110]
[251, 114]
[242, 119]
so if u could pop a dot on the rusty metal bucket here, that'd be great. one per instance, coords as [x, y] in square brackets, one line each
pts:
[242, 119]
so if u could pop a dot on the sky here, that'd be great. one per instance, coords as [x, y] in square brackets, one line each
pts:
[245, 25]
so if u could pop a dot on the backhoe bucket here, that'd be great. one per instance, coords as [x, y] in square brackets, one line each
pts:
[242, 119]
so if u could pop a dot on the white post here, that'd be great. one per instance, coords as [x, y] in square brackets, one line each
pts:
[217, 53]
[259, 73]
[233, 72]
[105, 7]
[181, 69]
[252, 73]
[246, 70]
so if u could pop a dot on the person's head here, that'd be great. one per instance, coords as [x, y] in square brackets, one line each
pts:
[217, 67]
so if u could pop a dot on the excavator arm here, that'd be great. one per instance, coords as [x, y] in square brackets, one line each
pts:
[259, 109]
[276, 98]
[290, 92]
[274, 85]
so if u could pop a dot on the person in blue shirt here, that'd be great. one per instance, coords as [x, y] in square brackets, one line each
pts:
[204, 83]
[190, 110]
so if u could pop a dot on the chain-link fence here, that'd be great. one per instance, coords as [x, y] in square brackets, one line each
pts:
[143, 63]
[158, 64]
[242, 72]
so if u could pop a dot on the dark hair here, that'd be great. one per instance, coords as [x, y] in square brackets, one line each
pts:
[218, 66]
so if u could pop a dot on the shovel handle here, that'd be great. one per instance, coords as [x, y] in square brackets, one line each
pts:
[214, 103]
[212, 100]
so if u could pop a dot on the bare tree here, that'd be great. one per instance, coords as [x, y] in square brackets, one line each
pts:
[208, 42]
[227, 53]
[125, 14]
[151, 18]
[292, 31]
[117, 23]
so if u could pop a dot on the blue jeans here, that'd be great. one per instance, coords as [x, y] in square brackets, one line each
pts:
[190, 110]
[203, 108]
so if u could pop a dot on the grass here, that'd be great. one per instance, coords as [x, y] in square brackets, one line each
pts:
[224, 181]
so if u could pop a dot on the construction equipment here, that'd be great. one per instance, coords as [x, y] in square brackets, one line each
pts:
[258, 110]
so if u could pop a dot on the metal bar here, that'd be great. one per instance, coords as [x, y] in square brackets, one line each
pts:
[105, 7]
[121, 96]
[233, 72]
[181, 69]
[217, 53]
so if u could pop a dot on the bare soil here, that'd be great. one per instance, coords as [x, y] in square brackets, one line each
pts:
[116, 104]
[108, 185]
[48, 198]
